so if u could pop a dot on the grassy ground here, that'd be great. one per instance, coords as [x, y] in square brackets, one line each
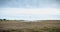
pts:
[21, 26]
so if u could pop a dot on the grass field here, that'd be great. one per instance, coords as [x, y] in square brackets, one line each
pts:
[25, 26]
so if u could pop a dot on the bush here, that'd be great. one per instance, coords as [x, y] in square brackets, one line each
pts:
[0, 19]
[4, 19]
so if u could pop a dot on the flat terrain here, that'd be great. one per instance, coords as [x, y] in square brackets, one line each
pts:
[26, 25]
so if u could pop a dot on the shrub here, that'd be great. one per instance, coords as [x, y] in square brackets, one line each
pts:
[0, 19]
[4, 19]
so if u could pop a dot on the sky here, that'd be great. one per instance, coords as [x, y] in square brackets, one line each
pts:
[30, 9]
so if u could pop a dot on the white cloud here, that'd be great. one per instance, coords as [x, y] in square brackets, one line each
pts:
[30, 14]
[41, 11]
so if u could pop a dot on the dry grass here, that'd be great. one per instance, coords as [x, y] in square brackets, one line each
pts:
[21, 26]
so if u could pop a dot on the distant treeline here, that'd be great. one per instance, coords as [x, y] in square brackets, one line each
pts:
[7, 20]
[2, 19]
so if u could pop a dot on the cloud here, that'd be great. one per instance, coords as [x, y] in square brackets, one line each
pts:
[41, 11]
[29, 3]
[30, 9]
[30, 14]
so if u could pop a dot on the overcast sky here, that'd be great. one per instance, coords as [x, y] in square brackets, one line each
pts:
[30, 9]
